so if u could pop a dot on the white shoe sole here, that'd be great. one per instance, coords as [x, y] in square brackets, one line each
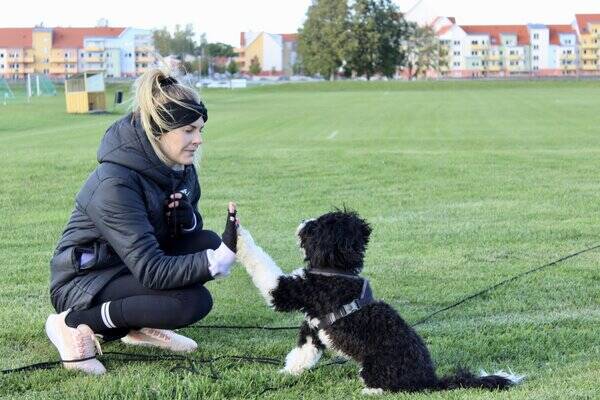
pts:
[91, 366]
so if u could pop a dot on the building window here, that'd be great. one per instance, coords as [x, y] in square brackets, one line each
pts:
[457, 42]
[535, 47]
[474, 42]
[535, 68]
[535, 58]
[457, 53]
[536, 35]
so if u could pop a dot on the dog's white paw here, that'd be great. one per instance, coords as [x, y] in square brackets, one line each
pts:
[372, 392]
[289, 371]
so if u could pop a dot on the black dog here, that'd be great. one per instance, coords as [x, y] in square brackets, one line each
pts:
[341, 314]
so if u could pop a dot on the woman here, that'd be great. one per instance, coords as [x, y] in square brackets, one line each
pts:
[133, 258]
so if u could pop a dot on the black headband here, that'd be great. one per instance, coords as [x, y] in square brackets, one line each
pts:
[177, 115]
[168, 81]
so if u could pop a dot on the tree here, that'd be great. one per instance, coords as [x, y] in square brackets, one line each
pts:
[162, 41]
[180, 43]
[233, 67]
[255, 67]
[424, 51]
[324, 37]
[378, 28]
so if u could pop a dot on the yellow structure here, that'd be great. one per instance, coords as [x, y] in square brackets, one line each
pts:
[254, 49]
[85, 93]
[42, 44]
[589, 42]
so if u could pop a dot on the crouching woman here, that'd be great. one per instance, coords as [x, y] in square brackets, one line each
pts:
[134, 257]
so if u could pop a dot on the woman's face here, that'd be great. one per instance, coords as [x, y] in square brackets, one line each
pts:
[180, 145]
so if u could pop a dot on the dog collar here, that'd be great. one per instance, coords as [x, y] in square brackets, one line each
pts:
[366, 298]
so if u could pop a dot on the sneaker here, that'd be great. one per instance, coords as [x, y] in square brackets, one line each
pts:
[162, 338]
[75, 344]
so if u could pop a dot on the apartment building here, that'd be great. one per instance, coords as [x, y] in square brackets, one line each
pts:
[588, 30]
[276, 53]
[61, 52]
[506, 50]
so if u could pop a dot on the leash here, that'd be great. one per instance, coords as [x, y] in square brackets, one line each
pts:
[190, 364]
[504, 282]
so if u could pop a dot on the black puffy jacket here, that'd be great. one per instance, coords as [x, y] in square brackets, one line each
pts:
[119, 216]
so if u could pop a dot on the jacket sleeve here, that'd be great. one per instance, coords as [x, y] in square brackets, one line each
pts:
[119, 213]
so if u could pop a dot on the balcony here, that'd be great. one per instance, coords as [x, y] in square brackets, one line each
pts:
[478, 47]
[144, 48]
[589, 56]
[147, 59]
[493, 68]
[59, 70]
[492, 57]
[28, 59]
[63, 60]
[94, 59]
[569, 67]
[515, 57]
[570, 57]
[21, 70]
[88, 68]
[93, 48]
[589, 67]
[588, 46]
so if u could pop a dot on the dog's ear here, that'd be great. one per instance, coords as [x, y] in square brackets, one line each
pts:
[366, 230]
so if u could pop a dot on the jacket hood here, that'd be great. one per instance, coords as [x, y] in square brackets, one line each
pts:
[125, 143]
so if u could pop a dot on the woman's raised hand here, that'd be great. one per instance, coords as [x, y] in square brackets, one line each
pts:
[229, 236]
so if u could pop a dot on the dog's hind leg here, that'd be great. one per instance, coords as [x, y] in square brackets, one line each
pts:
[306, 355]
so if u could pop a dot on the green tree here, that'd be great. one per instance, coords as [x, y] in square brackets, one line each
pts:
[324, 37]
[180, 43]
[424, 51]
[378, 29]
[255, 67]
[183, 40]
[233, 67]
[162, 41]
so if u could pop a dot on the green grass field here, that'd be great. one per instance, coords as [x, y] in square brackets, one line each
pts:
[465, 184]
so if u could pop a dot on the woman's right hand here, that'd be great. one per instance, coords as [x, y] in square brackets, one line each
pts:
[229, 236]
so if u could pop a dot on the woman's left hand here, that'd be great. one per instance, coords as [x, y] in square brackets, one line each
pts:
[180, 214]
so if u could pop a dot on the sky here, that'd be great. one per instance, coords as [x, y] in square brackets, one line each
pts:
[223, 20]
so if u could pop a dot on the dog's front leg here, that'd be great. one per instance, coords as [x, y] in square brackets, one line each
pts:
[261, 268]
[306, 354]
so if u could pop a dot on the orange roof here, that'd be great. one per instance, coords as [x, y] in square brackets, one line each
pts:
[16, 37]
[443, 30]
[556, 30]
[584, 19]
[289, 37]
[62, 38]
[69, 38]
[494, 31]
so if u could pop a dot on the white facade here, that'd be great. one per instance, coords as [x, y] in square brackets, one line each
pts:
[539, 38]
[272, 52]
[119, 56]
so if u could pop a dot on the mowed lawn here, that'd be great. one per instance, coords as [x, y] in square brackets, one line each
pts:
[465, 184]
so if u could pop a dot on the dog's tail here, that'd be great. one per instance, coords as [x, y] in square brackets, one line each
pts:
[465, 379]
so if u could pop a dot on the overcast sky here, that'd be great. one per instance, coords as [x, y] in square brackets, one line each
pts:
[223, 20]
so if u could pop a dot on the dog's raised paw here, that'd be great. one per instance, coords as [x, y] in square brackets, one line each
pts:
[372, 392]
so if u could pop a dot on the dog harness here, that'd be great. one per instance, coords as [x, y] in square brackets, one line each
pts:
[366, 298]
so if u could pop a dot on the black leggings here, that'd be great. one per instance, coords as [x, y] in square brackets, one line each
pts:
[133, 306]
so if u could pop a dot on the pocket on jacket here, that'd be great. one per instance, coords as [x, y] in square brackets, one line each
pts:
[101, 256]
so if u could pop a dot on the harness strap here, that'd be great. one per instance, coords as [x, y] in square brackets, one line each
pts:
[366, 298]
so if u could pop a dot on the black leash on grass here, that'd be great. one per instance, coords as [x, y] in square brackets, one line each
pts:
[191, 364]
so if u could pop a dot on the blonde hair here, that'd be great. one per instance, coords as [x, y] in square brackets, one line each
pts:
[149, 100]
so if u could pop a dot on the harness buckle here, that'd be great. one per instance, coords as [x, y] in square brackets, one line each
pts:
[351, 307]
